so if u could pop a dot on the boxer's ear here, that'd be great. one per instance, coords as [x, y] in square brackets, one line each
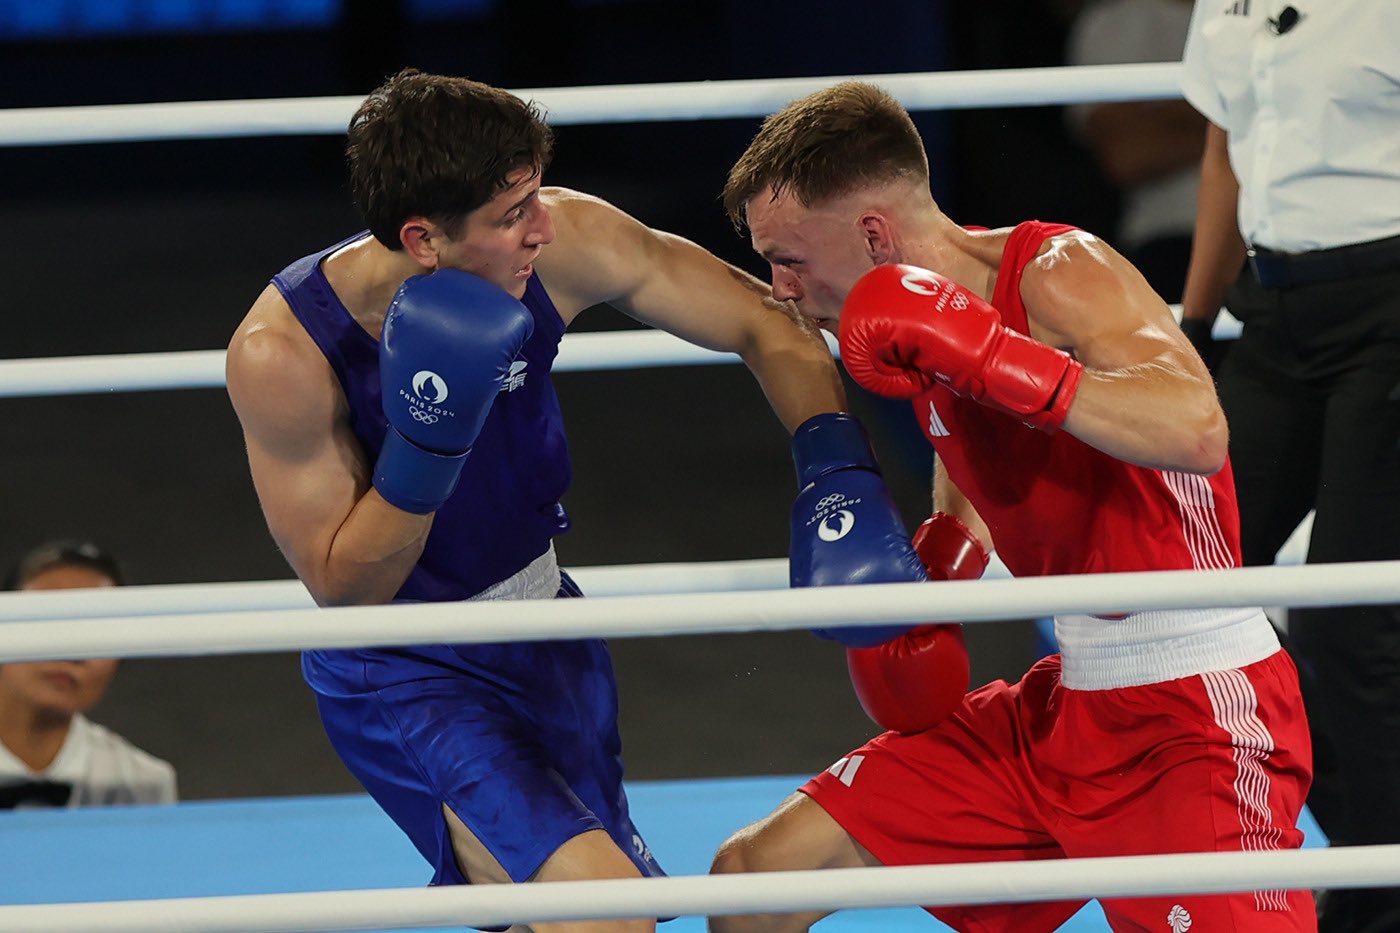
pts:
[879, 238]
[419, 238]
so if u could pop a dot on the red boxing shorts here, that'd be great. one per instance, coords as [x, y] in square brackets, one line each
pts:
[1216, 762]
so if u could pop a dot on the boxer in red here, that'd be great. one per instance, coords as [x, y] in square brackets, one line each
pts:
[1076, 431]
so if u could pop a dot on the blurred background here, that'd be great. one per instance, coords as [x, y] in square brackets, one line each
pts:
[143, 247]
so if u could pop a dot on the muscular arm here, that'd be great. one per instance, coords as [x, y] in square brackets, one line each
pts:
[1218, 250]
[348, 545]
[1145, 396]
[602, 254]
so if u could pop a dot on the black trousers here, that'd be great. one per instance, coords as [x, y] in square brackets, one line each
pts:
[1312, 393]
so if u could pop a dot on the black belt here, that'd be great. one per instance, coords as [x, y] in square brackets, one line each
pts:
[47, 793]
[1286, 270]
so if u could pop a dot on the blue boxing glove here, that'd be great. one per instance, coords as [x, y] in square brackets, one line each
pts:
[449, 339]
[845, 527]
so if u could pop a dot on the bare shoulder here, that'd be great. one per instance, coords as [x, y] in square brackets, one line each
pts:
[583, 223]
[586, 225]
[595, 251]
[573, 209]
[571, 200]
[1078, 281]
[1067, 256]
[275, 372]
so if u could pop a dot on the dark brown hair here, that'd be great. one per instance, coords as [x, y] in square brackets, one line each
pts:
[438, 147]
[825, 145]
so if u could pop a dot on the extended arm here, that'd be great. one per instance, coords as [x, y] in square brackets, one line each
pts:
[602, 254]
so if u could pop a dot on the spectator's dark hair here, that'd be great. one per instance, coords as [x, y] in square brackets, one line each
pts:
[64, 553]
[438, 147]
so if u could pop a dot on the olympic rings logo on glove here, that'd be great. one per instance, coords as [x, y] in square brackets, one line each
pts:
[828, 501]
[423, 416]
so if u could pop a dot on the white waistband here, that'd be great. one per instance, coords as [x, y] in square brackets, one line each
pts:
[538, 580]
[1152, 647]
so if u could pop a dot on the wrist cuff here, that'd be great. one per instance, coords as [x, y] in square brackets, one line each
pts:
[414, 479]
[1031, 380]
[1054, 415]
[827, 442]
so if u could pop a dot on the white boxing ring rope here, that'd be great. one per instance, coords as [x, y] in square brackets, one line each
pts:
[204, 369]
[261, 620]
[725, 576]
[932, 885]
[1364, 582]
[619, 103]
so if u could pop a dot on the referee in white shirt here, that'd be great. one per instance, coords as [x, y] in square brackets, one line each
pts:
[1299, 219]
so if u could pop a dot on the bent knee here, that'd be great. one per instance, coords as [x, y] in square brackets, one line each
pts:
[759, 846]
[737, 854]
[797, 835]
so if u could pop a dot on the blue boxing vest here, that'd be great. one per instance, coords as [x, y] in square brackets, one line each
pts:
[506, 508]
[491, 730]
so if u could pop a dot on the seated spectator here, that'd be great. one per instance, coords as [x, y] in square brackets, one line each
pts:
[51, 755]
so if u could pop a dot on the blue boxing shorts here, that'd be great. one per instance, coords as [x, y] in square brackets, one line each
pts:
[519, 740]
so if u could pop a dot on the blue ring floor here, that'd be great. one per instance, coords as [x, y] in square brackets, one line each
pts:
[274, 845]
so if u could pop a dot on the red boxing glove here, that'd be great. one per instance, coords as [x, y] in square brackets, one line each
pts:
[949, 549]
[916, 681]
[904, 329]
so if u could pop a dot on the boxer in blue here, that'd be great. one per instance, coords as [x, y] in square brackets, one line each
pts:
[406, 444]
